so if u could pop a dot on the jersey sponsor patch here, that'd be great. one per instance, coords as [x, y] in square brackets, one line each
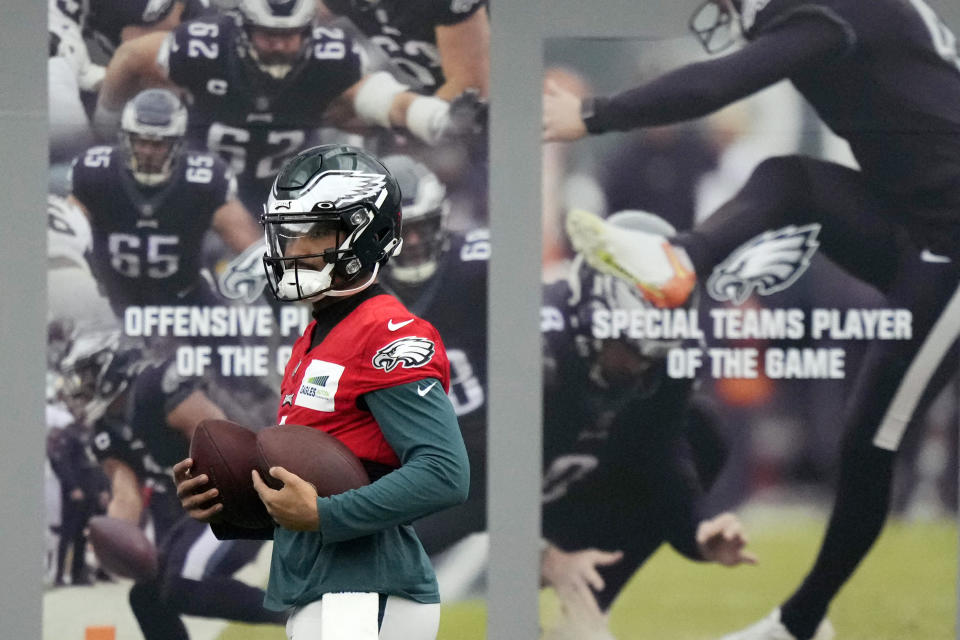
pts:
[768, 263]
[318, 389]
[409, 352]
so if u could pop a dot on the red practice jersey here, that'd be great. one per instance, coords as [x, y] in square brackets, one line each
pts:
[378, 345]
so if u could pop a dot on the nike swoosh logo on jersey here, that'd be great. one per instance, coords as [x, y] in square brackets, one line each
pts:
[393, 326]
[423, 392]
[928, 256]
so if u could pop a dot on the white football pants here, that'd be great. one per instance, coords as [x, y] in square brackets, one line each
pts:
[356, 616]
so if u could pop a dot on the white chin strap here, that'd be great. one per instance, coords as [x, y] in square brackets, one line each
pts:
[414, 274]
[316, 284]
[277, 71]
[304, 283]
[151, 179]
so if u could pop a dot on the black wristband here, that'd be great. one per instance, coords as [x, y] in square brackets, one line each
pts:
[588, 113]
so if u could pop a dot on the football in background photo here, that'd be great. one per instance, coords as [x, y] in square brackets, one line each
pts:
[122, 548]
[227, 452]
[314, 455]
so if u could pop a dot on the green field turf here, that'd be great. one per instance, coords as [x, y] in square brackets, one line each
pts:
[905, 590]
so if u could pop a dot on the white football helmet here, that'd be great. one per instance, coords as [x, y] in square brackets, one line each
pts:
[332, 220]
[425, 212]
[717, 24]
[95, 369]
[152, 128]
[279, 17]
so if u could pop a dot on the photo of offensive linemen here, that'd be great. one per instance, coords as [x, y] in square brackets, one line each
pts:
[178, 116]
[887, 82]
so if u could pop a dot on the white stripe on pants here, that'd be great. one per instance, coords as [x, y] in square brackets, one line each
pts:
[941, 337]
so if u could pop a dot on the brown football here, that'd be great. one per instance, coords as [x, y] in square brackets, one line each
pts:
[122, 548]
[315, 456]
[227, 453]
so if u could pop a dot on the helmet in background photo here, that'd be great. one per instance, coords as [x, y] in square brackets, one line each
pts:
[425, 212]
[717, 24]
[617, 360]
[152, 129]
[280, 20]
[332, 220]
[94, 370]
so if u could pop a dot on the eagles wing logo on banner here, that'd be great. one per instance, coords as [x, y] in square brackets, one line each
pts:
[244, 278]
[769, 263]
[346, 187]
[409, 352]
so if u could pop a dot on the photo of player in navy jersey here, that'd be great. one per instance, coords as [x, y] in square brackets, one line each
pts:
[887, 82]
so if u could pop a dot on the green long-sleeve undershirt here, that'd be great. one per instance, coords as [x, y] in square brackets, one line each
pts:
[365, 541]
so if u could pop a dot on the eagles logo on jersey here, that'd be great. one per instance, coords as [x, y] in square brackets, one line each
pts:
[407, 352]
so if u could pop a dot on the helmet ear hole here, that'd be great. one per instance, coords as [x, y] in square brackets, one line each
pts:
[352, 267]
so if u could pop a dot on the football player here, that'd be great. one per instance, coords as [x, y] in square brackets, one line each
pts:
[375, 376]
[439, 47]
[109, 23]
[72, 292]
[442, 277]
[888, 81]
[262, 79]
[150, 202]
[628, 451]
[142, 415]
[69, 71]
[82, 486]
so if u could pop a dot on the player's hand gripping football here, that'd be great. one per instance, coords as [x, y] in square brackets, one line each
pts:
[194, 501]
[294, 506]
[561, 115]
[722, 539]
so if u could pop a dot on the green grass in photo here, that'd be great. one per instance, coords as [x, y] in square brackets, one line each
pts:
[904, 590]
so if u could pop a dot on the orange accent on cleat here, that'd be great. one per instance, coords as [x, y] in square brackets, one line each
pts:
[675, 291]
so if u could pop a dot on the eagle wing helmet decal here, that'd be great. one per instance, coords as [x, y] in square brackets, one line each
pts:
[409, 352]
[769, 263]
[347, 187]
